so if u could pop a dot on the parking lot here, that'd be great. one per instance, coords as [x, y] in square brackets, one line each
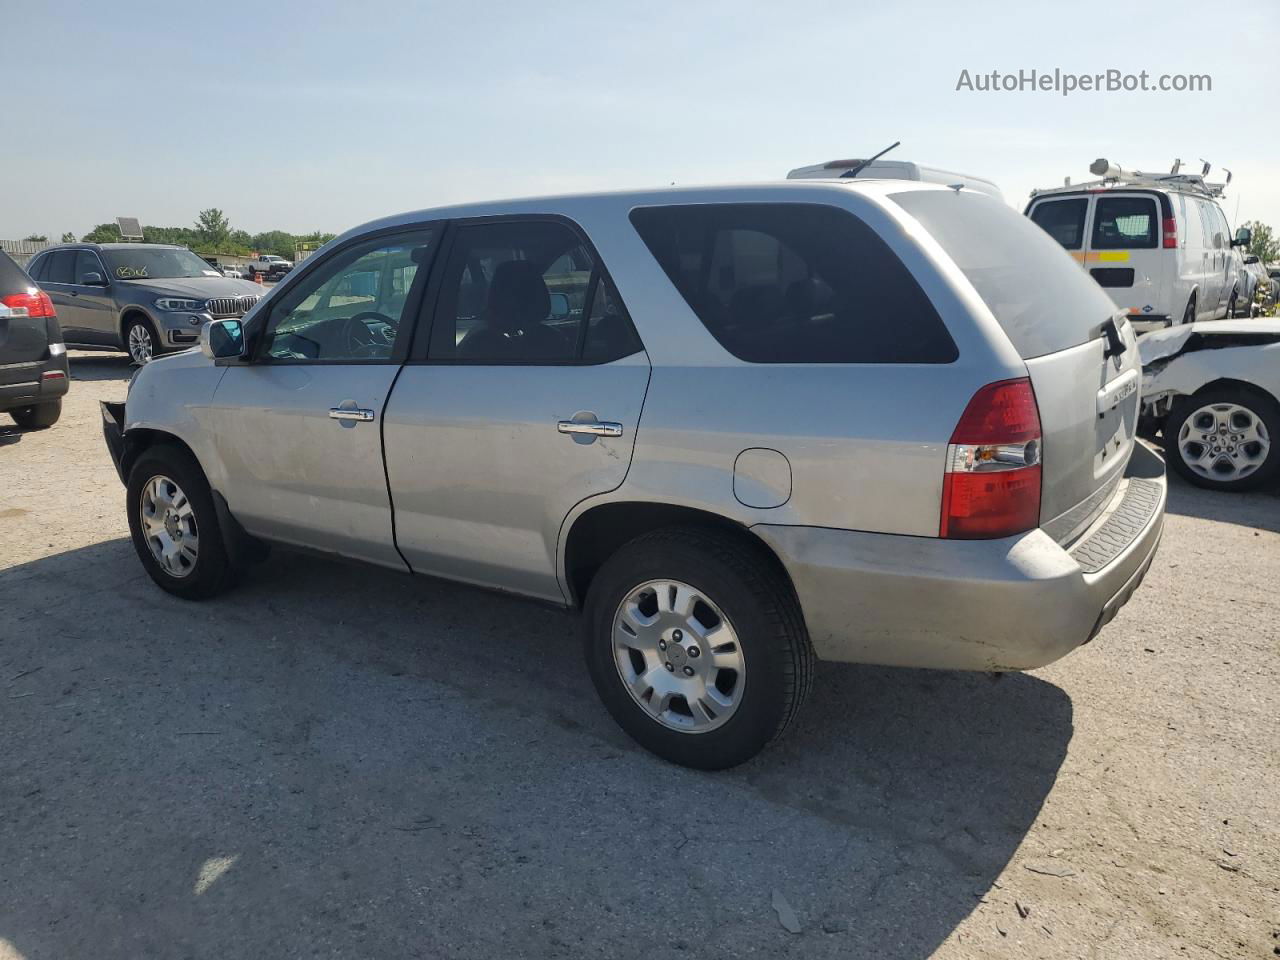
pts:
[336, 761]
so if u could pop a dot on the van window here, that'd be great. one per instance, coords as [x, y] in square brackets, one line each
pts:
[794, 283]
[1125, 223]
[1063, 220]
[1038, 294]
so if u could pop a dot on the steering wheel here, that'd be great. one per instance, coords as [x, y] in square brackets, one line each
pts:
[357, 336]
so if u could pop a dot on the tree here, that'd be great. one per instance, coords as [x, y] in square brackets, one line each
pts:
[1264, 244]
[37, 238]
[213, 226]
[68, 237]
[103, 233]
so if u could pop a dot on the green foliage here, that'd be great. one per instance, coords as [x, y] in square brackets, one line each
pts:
[212, 234]
[213, 227]
[1264, 245]
[37, 238]
[68, 237]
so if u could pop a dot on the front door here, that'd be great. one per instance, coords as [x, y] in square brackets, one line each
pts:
[90, 297]
[298, 429]
[524, 401]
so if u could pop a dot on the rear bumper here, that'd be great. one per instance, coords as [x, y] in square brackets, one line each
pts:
[40, 381]
[1146, 322]
[1011, 604]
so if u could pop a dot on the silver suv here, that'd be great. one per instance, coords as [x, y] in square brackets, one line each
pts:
[145, 298]
[738, 428]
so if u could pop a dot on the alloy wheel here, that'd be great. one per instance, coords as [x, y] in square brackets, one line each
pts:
[678, 656]
[141, 348]
[1223, 442]
[169, 526]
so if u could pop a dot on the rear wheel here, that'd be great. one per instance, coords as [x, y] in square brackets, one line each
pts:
[140, 340]
[696, 645]
[1232, 305]
[38, 416]
[174, 526]
[1227, 438]
[1189, 314]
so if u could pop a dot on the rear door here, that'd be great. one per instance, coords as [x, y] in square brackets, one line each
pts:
[523, 401]
[58, 280]
[1080, 352]
[1125, 255]
[298, 430]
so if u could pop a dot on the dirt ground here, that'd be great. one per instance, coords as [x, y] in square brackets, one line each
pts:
[340, 762]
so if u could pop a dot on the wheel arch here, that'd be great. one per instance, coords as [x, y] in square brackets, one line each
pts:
[598, 532]
[127, 314]
[1231, 383]
[139, 440]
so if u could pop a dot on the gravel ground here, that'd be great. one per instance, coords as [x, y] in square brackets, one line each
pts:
[341, 762]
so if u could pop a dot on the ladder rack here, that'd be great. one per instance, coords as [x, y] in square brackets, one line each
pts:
[1116, 178]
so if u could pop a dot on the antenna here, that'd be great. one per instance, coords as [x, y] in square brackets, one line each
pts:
[863, 164]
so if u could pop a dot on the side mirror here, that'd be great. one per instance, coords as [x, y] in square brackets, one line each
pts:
[222, 340]
[559, 306]
[1244, 237]
[92, 280]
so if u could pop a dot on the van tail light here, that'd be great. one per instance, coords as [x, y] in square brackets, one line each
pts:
[992, 484]
[1170, 233]
[33, 303]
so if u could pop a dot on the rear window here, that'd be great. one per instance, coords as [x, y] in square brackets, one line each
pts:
[794, 283]
[12, 279]
[1124, 223]
[1063, 220]
[1040, 297]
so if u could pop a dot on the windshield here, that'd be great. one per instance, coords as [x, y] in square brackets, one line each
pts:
[1038, 294]
[162, 263]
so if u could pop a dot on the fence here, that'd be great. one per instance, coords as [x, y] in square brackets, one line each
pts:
[23, 250]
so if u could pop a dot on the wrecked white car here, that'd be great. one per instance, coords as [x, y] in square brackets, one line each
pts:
[1212, 389]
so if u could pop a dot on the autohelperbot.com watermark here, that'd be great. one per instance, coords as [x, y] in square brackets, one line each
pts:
[1065, 83]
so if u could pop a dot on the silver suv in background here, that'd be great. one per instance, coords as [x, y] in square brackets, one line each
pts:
[738, 428]
[144, 298]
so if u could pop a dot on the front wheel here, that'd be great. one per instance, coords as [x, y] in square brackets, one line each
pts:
[1224, 439]
[174, 525]
[696, 645]
[140, 340]
[38, 416]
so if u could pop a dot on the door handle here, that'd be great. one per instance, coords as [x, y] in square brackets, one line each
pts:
[590, 428]
[350, 413]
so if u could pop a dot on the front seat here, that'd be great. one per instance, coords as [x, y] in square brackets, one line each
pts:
[513, 328]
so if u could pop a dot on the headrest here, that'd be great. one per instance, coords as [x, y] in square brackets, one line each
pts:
[517, 296]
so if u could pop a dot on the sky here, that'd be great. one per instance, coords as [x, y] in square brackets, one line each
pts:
[321, 116]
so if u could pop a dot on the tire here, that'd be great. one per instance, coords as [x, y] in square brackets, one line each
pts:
[737, 584]
[140, 340]
[1189, 314]
[1239, 465]
[210, 572]
[39, 416]
[1232, 307]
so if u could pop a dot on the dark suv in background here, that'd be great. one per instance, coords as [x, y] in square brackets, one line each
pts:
[144, 298]
[33, 359]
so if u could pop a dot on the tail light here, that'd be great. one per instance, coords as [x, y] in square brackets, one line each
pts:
[992, 485]
[1170, 233]
[33, 303]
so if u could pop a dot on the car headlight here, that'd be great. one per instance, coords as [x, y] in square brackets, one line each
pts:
[173, 303]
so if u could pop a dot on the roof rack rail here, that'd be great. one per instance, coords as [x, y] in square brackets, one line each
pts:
[1114, 177]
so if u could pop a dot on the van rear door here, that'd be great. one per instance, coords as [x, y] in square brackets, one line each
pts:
[1081, 354]
[1124, 253]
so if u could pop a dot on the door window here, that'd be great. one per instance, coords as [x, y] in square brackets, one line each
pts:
[1125, 223]
[1063, 220]
[355, 307]
[527, 292]
[61, 267]
[86, 262]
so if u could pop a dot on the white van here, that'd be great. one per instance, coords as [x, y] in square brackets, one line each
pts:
[895, 170]
[1158, 243]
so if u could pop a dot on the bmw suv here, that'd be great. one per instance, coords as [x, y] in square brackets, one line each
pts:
[144, 298]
